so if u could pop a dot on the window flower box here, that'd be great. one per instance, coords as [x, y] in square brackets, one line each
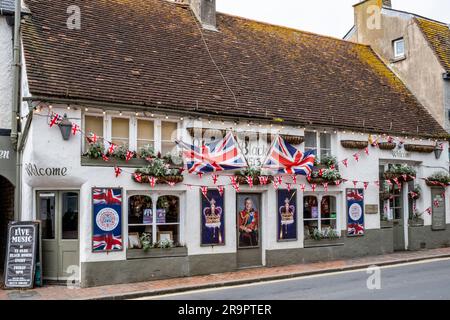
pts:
[387, 145]
[354, 144]
[99, 162]
[419, 148]
[416, 223]
[243, 180]
[438, 179]
[161, 180]
[156, 253]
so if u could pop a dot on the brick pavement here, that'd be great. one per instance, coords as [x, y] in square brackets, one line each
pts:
[135, 290]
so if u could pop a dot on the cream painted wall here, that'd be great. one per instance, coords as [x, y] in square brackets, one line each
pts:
[46, 148]
[6, 74]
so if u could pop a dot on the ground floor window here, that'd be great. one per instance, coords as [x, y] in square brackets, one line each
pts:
[319, 216]
[153, 221]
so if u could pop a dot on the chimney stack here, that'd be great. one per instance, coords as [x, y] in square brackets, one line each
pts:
[205, 11]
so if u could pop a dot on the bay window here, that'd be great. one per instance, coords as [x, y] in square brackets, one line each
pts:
[319, 215]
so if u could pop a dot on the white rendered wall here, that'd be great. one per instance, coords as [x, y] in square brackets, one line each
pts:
[6, 74]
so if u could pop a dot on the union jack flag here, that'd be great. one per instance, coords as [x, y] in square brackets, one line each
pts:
[107, 196]
[355, 229]
[217, 156]
[106, 242]
[354, 195]
[287, 159]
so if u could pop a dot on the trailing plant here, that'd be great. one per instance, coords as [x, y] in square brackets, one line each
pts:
[158, 167]
[95, 150]
[400, 169]
[416, 193]
[174, 158]
[327, 233]
[120, 152]
[441, 177]
[328, 161]
[253, 172]
[146, 240]
[331, 175]
[147, 152]
[164, 244]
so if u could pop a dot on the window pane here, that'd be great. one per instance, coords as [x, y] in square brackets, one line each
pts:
[310, 208]
[47, 215]
[167, 218]
[140, 210]
[309, 227]
[146, 130]
[120, 131]
[328, 225]
[325, 141]
[70, 215]
[399, 47]
[168, 131]
[328, 208]
[310, 140]
[94, 124]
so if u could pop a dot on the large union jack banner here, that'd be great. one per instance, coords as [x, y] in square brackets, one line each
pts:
[107, 219]
[217, 156]
[285, 158]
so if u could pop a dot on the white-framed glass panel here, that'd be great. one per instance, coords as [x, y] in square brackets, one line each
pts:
[93, 124]
[399, 48]
[120, 131]
[325, 144]
[168, 136]
[310, 140]
[168, 219]
[145, 133]
[310, 216]
[328, 213]
[140, 217]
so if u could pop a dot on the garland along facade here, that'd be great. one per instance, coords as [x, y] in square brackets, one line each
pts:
[199, 181]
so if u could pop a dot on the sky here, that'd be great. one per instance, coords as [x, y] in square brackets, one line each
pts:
[328, 17]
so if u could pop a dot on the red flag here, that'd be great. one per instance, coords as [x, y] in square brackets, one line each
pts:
[397, 182]
[313, 187]
[367, 150]
[171, 183]
[320, 172]
[152, 181]
[221, 190]
[288, 185]
[325, 186]
[112, 147]
[105, 158]
[233, 180]
[129, 155]
[405, 177]
[74, 128]
[137, 177]
[366, 185]
[204, 191]
[355, 183]
[250, 181]
[356, 156]
[93, 138]
[345, 162]
[117, 171]
[429, 211]
[236, 187]
[337, 182]
[294, 179]
[263, 180]
[214, 178]
[303, 187]
[200, 175]
[279, 180]
[275, 184]
[54, 120]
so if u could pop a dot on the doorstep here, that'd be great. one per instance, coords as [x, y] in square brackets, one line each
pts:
[160, 287]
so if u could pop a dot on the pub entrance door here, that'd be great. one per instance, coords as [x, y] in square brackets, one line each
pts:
[249, 245]
[6, 215]
[58, 212]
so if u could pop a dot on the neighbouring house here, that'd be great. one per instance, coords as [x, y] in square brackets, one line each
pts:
[416, 48]
[111, 85]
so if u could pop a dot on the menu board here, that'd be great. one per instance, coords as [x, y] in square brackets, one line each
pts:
[20, 262]
[438, 217]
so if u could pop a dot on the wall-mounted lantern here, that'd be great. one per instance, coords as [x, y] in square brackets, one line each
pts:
[438, 150]
[66, 127]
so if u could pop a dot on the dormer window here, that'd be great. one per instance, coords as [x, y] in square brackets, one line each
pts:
[399, 48]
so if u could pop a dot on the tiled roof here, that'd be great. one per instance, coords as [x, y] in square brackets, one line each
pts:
[150, 53]
[438, 36]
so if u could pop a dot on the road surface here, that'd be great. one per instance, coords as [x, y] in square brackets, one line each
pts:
[419, 280]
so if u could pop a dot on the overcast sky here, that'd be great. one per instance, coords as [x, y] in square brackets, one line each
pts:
[330, 17]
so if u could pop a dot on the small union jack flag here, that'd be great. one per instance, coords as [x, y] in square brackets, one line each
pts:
[107, 242]
[107, 196]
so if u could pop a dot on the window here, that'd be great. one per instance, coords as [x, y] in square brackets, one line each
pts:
[319, 218]
[120, 131]
[94, 124]
[318, 141]
[168, 136]
[399, 48]
[160, 220]
[145, 133]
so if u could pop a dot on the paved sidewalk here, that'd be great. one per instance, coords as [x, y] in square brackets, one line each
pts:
[151, 288]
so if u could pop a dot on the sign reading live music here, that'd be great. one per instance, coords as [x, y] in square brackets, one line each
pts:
[107, 220]
[355, 212]
[20, 262]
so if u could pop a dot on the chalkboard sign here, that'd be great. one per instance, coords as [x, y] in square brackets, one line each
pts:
[21, 254]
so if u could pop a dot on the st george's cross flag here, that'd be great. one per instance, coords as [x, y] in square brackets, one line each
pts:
[286, 159]
[222, 155]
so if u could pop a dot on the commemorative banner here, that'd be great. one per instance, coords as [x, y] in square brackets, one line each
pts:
[107, 220]
[355, 212]
[212, 218]
[287, 215]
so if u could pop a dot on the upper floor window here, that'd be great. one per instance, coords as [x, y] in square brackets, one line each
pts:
[399, 48]
[318, 141]
[94, 125]
[120, 131]
[168, 136]
[145, 133]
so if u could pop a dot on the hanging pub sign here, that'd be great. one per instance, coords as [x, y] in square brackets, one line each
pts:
[287, 215]
[212, 218]
[107, 220]
[21, 255]
[355, 212]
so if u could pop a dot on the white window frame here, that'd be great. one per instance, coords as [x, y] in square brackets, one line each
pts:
[318, 144]
[398, 55]
[319, 197]
[83, 128]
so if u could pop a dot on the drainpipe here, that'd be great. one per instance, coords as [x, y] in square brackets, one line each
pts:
[16, 105]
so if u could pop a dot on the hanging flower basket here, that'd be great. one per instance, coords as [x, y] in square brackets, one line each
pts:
[293, 139]
[438, 179]
[161, 180]
[387, 146]
[354, 144]
[419, 148]
[243, 180]
[400, 177]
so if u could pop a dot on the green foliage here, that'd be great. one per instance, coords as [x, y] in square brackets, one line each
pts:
[442, 177]
[402, 169]
[253, 172]
[95, 150]
[147, 151]
[328, 161]
[158, 167]
[174, 158]
[331, 175]
[327, 233]
[146, 240]
[120, 152]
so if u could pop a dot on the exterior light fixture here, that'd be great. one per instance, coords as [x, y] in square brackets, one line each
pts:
[65, 126]
[438, 150]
